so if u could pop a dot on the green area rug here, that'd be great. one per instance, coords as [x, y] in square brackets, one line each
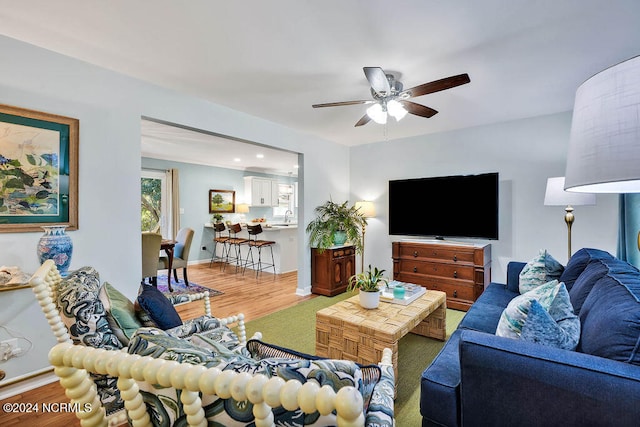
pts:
[295, 328]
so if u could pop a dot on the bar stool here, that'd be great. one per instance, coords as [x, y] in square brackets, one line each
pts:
[218, 229]
[257, 244]
[236, 243]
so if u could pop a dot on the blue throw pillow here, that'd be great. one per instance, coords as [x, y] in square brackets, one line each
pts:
[158, 307]
[558, 327]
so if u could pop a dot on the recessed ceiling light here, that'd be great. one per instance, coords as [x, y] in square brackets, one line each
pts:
[296, 166]
[260, 156]
[237, 159]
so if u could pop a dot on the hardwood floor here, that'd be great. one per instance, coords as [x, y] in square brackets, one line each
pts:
[253, 297]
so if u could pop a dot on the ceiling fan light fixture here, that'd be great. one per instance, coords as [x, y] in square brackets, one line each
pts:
[377, 113]
[396, 109]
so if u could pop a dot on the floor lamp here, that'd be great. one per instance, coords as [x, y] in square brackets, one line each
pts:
[556, 196]
[368, 210]
[604, 147]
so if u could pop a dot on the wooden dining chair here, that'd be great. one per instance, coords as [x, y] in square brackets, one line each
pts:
[180, 255]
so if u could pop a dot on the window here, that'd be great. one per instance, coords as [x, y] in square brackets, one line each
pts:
[154, 211]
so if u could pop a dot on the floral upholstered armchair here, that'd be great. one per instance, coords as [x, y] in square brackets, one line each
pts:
[196, 373]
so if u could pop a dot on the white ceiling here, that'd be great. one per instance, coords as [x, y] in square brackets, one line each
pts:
[274, 59]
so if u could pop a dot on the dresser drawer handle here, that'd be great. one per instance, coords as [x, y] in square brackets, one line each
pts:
[455, 294]
[415, 254]
[455, 258]
[415, 269]
[455, 274]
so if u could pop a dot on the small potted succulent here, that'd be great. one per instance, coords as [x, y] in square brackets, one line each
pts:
[369, 283]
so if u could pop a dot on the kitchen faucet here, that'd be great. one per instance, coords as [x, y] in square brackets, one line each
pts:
[286, 216]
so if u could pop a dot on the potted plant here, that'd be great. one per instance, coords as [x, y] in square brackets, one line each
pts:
[216, 218]
[336, 223]
[368, 283]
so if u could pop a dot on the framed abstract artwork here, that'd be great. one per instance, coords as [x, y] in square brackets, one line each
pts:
[38, 170]
[222, 201]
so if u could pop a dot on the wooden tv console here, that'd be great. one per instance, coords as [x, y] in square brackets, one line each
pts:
[459, 269]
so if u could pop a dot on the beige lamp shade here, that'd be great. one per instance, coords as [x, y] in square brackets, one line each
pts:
[555, 195]
[604, 148]
[242, 208]
[366, 208]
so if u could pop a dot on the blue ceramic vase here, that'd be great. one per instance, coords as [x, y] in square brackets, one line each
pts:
[56, 244]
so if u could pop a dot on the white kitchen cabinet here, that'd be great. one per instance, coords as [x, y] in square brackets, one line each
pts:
[261, 191]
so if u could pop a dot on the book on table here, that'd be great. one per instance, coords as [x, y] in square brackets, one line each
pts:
[411, 292]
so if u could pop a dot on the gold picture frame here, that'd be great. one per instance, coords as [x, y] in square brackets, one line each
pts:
[38, 170]
[222, 201]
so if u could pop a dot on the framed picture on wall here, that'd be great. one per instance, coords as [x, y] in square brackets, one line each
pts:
[222, 201]
[38, 170]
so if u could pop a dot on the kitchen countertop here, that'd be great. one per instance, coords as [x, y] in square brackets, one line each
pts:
[268, 227]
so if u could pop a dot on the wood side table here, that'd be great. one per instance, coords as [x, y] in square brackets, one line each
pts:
[331, 269]
[347, 331]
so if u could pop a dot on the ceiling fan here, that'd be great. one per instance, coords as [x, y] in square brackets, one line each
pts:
[389, 98]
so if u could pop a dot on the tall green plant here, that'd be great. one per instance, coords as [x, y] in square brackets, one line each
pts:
[332, 217]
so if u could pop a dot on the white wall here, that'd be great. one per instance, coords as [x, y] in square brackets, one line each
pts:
[109, 107]
[524, 152]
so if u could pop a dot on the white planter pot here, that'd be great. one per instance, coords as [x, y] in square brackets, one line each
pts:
[369, 300]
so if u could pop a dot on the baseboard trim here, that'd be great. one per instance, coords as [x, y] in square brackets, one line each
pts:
[28, 382]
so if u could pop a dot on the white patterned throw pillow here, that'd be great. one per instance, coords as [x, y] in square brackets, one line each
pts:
[515, 315]
[540, 270]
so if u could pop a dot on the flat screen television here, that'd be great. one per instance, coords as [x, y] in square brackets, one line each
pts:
[445, 206]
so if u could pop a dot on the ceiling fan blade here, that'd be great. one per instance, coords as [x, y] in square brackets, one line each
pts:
[436, 85]
[418, 110]
[338, 104]
[363, 121]
[378, 80]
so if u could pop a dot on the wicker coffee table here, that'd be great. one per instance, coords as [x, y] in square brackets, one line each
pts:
[347, 331]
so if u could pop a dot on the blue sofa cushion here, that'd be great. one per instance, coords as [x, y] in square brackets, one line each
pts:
[440, 386]
[540, 270]
[577, 264]
[585, 282]
[558, 327]
[485, 313]
[513, 275]
[610, 318]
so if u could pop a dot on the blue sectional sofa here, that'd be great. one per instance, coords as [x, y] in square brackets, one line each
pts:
[480, 379]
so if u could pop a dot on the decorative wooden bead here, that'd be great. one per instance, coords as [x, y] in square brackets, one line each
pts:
[151, 368]
[192, 379]
[57, 352]
[349, 402]
[288, 395]
[100, 364]
[271, 392]
[207, 382]
[137, 369]
[326, 400]
[223, 384]
[255, 387]
[307, 397]
[239, 386]
[113, 363]
[263, 415]
[178, 373]
[163, 375]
